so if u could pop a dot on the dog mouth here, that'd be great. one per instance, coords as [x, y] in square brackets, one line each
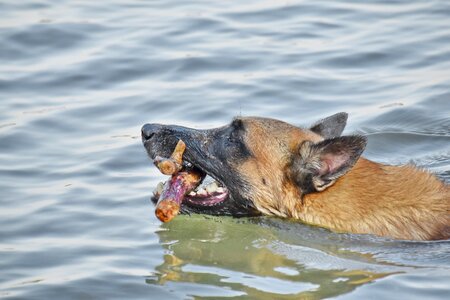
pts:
[209, 193]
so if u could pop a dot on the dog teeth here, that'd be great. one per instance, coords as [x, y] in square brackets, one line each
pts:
[212, 187]
[158, 190]
[159, 187]
[202, 192]
[207, 188]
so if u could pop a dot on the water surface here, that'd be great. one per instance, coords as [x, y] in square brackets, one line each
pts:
[79, 78]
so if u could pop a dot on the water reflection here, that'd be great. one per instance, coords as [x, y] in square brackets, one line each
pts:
[251, 257]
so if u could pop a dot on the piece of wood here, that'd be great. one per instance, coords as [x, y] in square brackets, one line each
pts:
[173, 193]
[174, 164]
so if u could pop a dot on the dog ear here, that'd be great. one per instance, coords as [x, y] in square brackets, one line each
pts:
[318, 165]
[331, 126]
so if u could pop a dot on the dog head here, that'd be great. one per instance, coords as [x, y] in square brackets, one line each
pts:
[264, 166]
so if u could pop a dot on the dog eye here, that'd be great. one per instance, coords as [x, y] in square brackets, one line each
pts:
[234, 136]
[235, 131]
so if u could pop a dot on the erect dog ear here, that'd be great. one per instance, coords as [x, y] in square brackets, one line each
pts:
[318, 165]
[331, 126]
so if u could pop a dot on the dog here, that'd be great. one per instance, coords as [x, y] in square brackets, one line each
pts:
[263, 166]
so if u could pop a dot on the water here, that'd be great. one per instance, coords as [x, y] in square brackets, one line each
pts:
[79, 78]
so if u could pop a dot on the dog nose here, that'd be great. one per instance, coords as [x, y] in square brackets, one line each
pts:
[149, 130]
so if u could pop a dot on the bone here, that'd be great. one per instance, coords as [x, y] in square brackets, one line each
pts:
[173, 164]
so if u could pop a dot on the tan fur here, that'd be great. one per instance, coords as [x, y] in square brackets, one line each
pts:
[400, 202]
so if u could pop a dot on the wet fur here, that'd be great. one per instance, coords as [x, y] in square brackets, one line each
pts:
[314, 175]
[402, 202]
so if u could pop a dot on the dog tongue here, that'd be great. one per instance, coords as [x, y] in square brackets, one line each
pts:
[173, 193]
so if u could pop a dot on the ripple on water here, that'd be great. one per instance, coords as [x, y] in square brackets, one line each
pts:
[78, 80]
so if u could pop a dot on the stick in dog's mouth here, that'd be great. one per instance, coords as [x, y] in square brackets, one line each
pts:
[185, 185]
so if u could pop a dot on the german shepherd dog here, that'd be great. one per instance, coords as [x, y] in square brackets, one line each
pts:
[263, 166]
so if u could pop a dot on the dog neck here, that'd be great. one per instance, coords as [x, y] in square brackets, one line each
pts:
[399, 202]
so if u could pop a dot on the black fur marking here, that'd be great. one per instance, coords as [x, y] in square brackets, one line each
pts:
[229, 143]
[215, 152]
[331, 126]
[237, 124]
[304, 181]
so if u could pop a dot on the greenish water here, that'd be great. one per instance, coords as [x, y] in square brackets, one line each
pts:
[267, 258]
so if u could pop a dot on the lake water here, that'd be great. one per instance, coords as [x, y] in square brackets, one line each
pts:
[79, 78]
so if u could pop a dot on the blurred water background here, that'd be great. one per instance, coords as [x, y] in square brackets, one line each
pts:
[79, 78]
